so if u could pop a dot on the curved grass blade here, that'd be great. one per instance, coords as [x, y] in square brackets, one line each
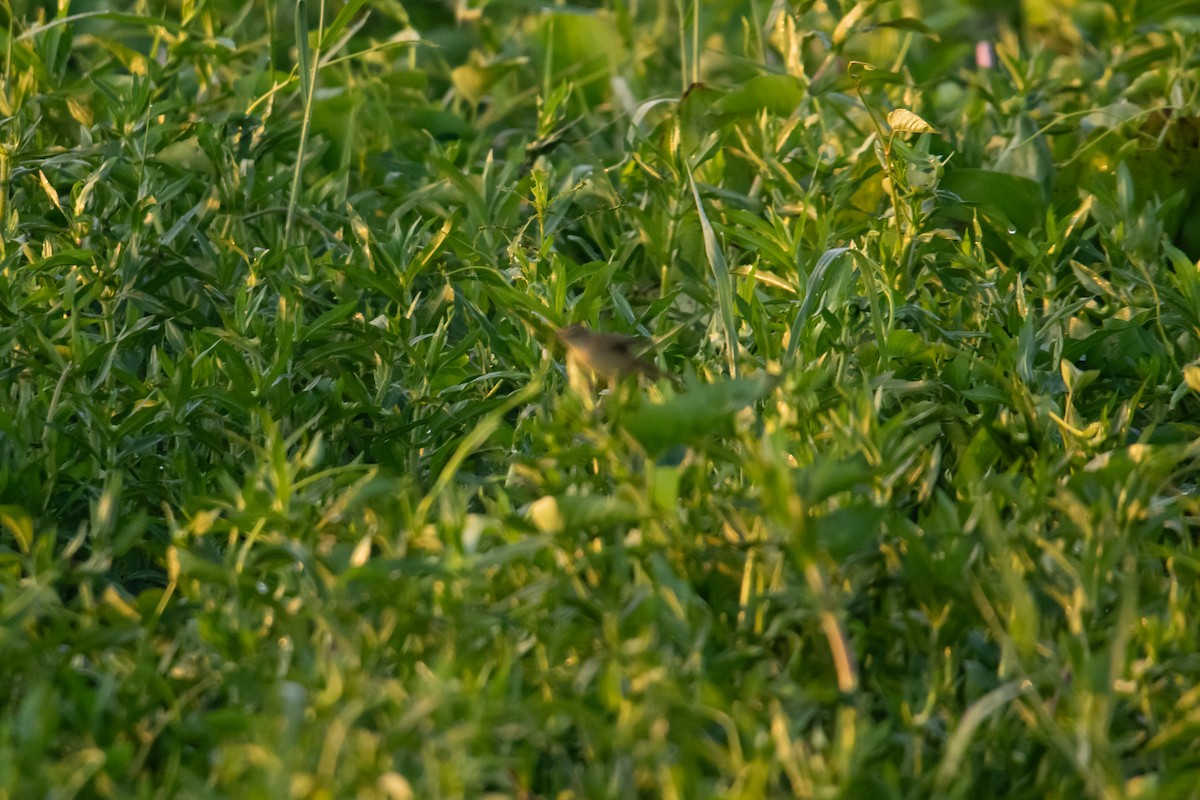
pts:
[722, 278]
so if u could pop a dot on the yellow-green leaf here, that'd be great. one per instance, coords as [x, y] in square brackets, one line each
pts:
[1191, 374]
[901, 119]
[20, 524]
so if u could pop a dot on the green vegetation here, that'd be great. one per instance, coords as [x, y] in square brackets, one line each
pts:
[297, 498]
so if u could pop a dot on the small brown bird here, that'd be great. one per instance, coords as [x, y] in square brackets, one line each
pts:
[607, 355]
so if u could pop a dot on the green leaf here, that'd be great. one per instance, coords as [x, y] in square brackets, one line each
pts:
[845, 532]
[722, 279]
[474, 81]
[1018, 201]
[909, 24]
[776, 94]
[690, 418]
[828, 477]
[580, 47]
[18, 522]
[574, 512]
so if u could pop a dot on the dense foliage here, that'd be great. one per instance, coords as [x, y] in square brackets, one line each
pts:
[297, 498]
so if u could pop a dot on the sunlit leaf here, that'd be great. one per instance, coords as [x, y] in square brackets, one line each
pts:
[903, 120]
[19, 524]
[1191, 374]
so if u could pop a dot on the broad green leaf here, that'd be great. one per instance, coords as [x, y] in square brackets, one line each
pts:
[1018, 200]
[1026, 154]
[776, 94]
[828, 477]
[580, 47]
[847, 531]
[474, 81]
[690, 417]
[186, 154]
